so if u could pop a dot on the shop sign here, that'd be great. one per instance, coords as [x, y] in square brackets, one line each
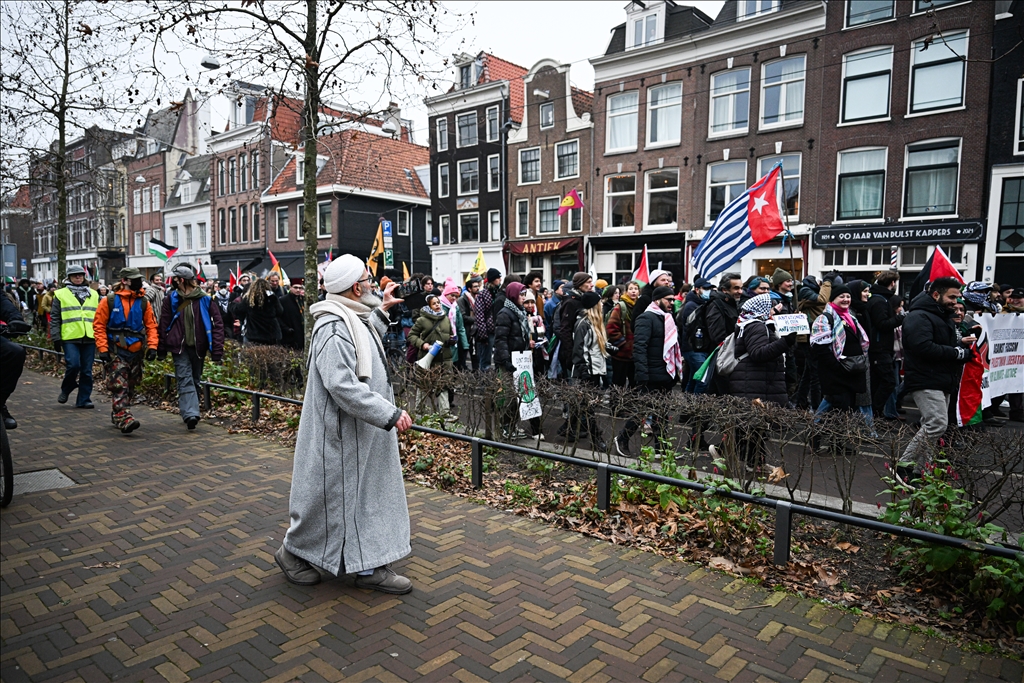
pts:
[831, 236]
[541, 246]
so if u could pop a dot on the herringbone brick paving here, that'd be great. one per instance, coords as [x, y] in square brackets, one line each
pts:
[159, 566]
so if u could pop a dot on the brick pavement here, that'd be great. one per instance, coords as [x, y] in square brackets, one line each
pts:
[158, 566]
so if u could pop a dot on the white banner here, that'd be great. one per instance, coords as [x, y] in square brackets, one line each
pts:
[529, 403]
[788, 324]
[1005, 374]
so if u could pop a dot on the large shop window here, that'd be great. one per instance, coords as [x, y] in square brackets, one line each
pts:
[861, 184]
[469, 176]
[1011, 217]
[465, 129]
[782, 92]
[932, 170]
[620, 192]
[662, 198]
[860, 12]
[622, 113]
[791, 173]
[726, 182]
[547, 215]
[529, 166]
[937, 73]
[469, 227]
[664, 114]
[730, 102]
[866, 83]
[567, 157]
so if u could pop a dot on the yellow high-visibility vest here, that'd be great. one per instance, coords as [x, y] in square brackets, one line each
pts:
[76, 317]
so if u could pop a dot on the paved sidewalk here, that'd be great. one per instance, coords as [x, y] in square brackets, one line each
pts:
[158, 565]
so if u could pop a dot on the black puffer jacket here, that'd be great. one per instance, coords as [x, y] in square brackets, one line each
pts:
[508, 337]
[648, 346]
[837, 385]
[722, 315]
[762, 374]
[932, 357]
[262, 325]
[884, 322]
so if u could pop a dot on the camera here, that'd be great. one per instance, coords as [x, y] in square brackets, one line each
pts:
[408, 288]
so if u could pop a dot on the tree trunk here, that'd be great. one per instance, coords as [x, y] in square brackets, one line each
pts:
[59, 162]
[310, 121]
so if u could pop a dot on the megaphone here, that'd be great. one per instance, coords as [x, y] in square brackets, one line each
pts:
[428, 358]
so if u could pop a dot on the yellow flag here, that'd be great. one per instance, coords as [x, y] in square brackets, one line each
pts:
[479, 266]
[377, 250]
[405, 272]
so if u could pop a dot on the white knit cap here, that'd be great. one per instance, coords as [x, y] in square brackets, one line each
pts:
[656, 273]
[343, 272]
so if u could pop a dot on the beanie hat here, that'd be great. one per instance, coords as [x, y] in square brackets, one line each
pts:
[600, 284]
[530, 296]
[839, 289]
[557, 285]
[450, 288]
[590, 299]
[343, 272]
[513, 290]
[780, 276]
[580, 279]
[656, 273]
[493, 274]
[661, 293]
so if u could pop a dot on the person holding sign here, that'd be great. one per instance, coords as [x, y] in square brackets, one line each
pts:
[512, 334]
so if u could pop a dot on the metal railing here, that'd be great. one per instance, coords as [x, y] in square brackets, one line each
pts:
[784, 510]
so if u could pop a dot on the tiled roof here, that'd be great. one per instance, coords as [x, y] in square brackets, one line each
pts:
[582, 101]
[286, 121]
[199, 168]
[497, 69]
[364, 160]
[682, 20]
[21, 199]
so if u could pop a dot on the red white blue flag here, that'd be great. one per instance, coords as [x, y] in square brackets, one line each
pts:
[748, 221]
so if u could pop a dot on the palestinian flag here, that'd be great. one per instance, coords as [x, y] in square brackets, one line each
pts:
[161, 250]
[968, 399]
[938, 265]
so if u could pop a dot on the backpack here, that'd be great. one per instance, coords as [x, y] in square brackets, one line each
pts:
[696, 325]
[726, 362]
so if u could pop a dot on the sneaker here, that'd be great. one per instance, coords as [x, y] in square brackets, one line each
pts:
[385, 580]
[130, 426]
[296, 569]
[9, 422]
[63, 398]
[904, 474]
[86, 406]
[622, 446]
[514, 434]
[600, 445]
[191, 422]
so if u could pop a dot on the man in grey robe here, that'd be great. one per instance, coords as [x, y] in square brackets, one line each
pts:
[348, 509]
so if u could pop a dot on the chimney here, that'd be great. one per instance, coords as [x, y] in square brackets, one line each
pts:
[392, 124]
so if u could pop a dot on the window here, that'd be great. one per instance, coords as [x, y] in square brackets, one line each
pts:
[662, 197]
[222, 226]
[861, 184]
[857, 257]
[782, 92]
[429, 231]
[664, 114]
[323, 221]
[1011, 217]
[529, 166]
[172, 235]
[232, 175]
[575, 220]
[186, 193]
[622, 110]
[137, 201]
[866, 80]
[221, 178]
[255, 223]
[446, 232]
[1018, 147]
[465, 129]
[523, 217]
[300, 170]
[834, 257]
[879, 257]
[925, 5]
[494, 218]
[914, 256]
[243, 173]
[567, 160]
[859, 12]
[233, 224]
[138, 244]
[255, 170]
[442, 135]
[469, 227]
[748, 9]
[726, 182]
[187, 231]
[517, 264]
[730, 102]
[402, 224]
[493, 173]
[157, 202]
[645, 30]
[492, 124]
[300, 226]
[469, 176]
[791, 174]
[547, 215]
[282, 224]
[243, 222]
[621, 201]
[145, 239]
[201, 229]
[466, 76]
[442, 180]
[955, 252]
[930, 186]
[937, 73]
[547, 115]
[145, 200]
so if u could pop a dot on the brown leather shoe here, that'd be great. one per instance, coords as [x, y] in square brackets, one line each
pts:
[296, 569]
[385, 580]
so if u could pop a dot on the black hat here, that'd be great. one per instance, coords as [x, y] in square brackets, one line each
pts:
[661, 293]
[839, 289]
[590, 299]
[493, 274]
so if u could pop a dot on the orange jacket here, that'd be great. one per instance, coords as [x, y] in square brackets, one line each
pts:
[99, 322]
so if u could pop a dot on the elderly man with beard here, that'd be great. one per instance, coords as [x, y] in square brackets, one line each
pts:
[348, 509]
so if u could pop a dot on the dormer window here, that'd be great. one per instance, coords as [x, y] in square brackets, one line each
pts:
[645, 24]
[466, 76]
[645, 30]
[748, 9]
[186, 193]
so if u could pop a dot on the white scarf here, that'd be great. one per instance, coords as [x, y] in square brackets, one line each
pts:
[357, 316]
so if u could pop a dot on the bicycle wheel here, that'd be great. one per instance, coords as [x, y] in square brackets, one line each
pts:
[6, 469]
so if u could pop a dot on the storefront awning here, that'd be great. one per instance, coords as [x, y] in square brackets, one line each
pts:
[838, 236]
[543, 246]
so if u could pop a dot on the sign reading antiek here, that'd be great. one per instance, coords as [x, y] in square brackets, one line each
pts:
[831, 236]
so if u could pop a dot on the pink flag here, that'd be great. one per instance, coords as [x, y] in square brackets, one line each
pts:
[569, 202]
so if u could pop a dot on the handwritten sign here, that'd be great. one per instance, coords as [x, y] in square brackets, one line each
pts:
[788, 324]
[529, 402]
[1005, 374]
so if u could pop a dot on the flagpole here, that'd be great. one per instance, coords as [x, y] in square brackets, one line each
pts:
[785, 217]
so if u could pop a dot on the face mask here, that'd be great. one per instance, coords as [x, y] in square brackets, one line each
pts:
[135, 284]
[222, 291]
[705, 294]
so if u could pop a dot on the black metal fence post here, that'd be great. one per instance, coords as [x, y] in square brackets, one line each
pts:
[167, 384]
[604, 487]
[477, 458]
[783, 516]
[255, 408]
[208, 404]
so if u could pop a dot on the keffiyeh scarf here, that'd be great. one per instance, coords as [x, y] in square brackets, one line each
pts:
[831, 329]
[670, 352]
[756, 308]
[977, 294]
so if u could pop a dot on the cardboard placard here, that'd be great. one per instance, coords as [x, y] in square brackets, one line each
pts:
[529, 402]
[788, 324]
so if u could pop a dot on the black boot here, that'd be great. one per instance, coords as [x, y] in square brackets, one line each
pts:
[9, 422]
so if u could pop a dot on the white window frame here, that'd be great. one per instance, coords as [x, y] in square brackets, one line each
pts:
[649, 144]
[458, 135]
[444, 224]
[277, 224]
[658, 15]
[300, 171]
[608, 122]
[742, 15]
[398, 222]
[138, 244]
[255, 170]
[201, 229]
[794, 217]
[917, 10]
[496, 184]
[222, 187]
[186, 193]
[189, 237]
[1018, 121]
[540, 166]
[319, 234]
[444, 180]
[520, 232]
[243, 172]
[492, 114]
[906, 169]
[848, 25]
[441, 126]
[458, 173]
[842, 87]
[647, 204]
[707, 188]
[494, 221]
[243, 221]
[558, 219]
[574, 141]
[137, 201]
[429, 225]
[885, 179]
[573, 214]
[784, 86]
[479, 230]
[172, 230]
[232, 175]
[549, 106]
[938, 44]
[733, 94]
[254, 216]
[155, 197]
[609, 196]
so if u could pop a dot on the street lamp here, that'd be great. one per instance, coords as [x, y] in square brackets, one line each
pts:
[210, 62]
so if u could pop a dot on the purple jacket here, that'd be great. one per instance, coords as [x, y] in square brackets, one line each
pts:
[173, 339]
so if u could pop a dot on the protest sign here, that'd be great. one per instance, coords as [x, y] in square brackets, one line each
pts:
[788, 324]
[529, 403]
[1005, 336]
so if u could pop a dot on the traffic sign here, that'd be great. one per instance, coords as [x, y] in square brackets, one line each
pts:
[389, 258]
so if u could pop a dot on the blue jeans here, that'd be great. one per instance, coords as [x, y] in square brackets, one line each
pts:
[78, 375]
[693, 359]
[866, 411]
[484, 348]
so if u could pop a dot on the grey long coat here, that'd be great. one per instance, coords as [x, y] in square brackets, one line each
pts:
[348, 507]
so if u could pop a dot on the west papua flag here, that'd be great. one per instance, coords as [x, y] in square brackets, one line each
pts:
[938, 265]
[747, 222]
